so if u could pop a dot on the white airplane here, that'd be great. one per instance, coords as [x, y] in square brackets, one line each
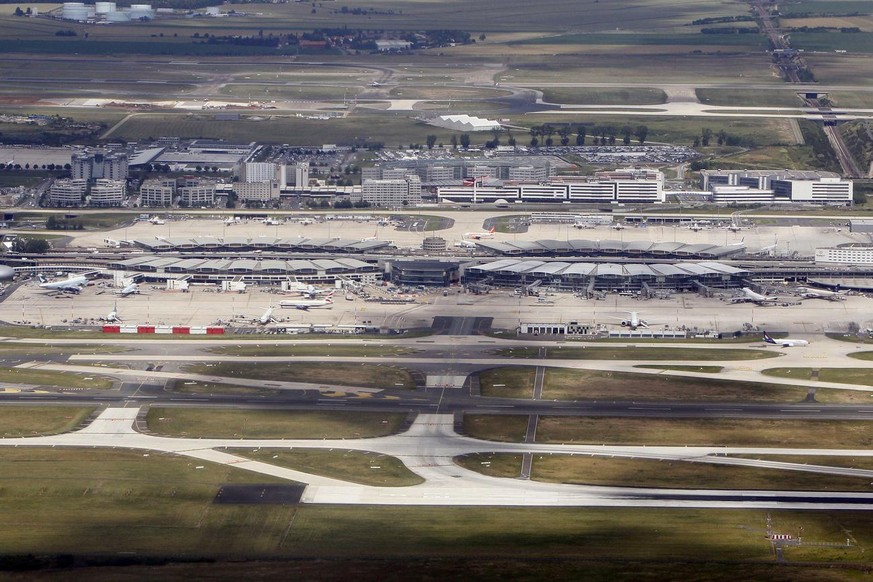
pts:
[810, 293]
[113, 316]
[750, 296]
[465, 244]
[633, 321]
[617, 226]
[480, 235]
[267, 317]
[307, 304]
[68, 285]
[375, 84]
[785, 343]
[310, 291]
[369, 238]
[695, 227]
[156, 220]
[132, 289]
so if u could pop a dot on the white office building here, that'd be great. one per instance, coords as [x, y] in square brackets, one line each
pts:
[830, 191]
[786, 186]
[263, 172]
[392, 193]
[157, 192]
[740, 195]
[105, 192]
[848, 255]
[265, 191]
[649, 189]
[91, 165]
[193, 193]
[69, 192]
[301, 175]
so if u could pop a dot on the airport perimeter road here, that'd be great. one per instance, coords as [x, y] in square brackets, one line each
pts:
[428, 448]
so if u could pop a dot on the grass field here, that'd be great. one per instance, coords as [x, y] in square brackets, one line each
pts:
[507, 382]
[37, 377]
[866, 356]
[392, 129]
[84, 502]
[673, 432]
[621, 472]
[364, 467]
[568, 384]
[219, 423]
[841, 69]
[642, 68]
[827, 461]
[23, 421]
[22, 349]
[741, 98]
[771, 157]
[705, 432]
[495, 427]
[610, 96]
[862, 376]
[194, 387]
[639, 353]
[266, 350]
[746, 42]
[488, 16]
[859, 42]
[342, 374]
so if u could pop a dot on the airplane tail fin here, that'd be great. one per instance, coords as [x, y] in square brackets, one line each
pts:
[491, 231]
[768, 339]
[41, 277]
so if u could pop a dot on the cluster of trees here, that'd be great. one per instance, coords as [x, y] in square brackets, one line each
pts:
[723, 19]
[731, 30]
[30, 246]
[14, 167]
[849, 29]
[820, 14]
[367, 11]
[721, 138]
[349, 204]
[601, 135]
[55, 223]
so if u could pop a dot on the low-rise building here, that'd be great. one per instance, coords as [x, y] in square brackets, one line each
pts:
[69, 192]
[392, 193]
[105, 192]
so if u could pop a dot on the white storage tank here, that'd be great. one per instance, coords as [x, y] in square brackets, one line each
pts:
[117, 17]
[75, 11]
[138, 11]
[103, 8]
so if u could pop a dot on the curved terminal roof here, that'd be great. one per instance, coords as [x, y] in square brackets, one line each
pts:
[610, 247]
[261, 243]
[231, 267]
[533, 268]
